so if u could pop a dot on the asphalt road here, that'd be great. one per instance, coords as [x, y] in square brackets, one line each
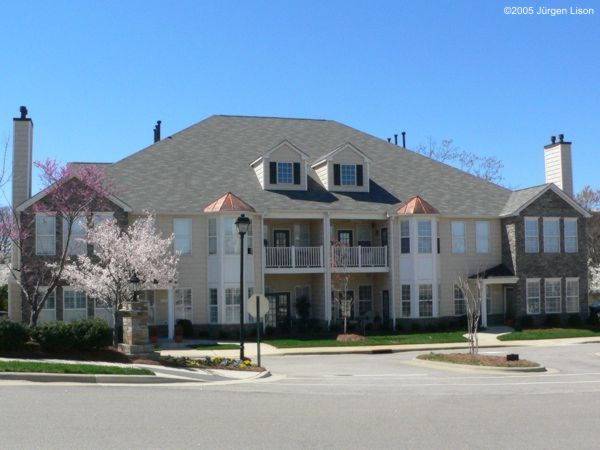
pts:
[343, 401]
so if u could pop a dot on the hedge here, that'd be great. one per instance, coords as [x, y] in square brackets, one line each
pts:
[13, 335]
[88, 334]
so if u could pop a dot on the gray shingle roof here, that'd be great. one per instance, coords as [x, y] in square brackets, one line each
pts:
[187, 171]
[520, 197]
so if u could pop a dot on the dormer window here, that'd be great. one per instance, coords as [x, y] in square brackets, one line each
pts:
[344, 169]
[283, 168]
[349, 175]
[284, 172]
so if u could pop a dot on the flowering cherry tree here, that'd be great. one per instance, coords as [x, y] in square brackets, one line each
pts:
[118, 254]
[71, 192]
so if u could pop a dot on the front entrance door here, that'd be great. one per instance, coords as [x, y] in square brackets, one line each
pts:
[280, 311]
[345, 237]
[281, 238]
[510, 311]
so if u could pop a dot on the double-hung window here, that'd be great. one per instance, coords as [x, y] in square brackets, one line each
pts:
[78, 237]
[183, 236]
[532, 235]
[212, 236]
[552, 295]
[424, 236]
[365, 300]
[482, 236]
[551, 235]
[45, 234]
[183, 303]
[425, 300]
[406, 300]
[570, 235]
[348, 174]
[231, 239]
[213, 305]
[74, 305]
[232, 305]
[404, 236]
[533, 296]
[285, 173]
[572, 290]
[460, 307]
[458, 237]
[48, 312]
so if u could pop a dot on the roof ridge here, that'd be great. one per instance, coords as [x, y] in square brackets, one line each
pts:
[531, 187]
[272, 117]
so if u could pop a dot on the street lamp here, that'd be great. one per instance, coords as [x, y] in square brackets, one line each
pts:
[134, 284]
[242, 224]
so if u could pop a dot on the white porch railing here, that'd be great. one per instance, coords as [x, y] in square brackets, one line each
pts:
[293, 257]
[359, 257]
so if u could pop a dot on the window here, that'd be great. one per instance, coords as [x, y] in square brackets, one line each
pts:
[365, 300]
[458, 237]
[99, 217]
[232, 305]
[74, 305]
[212, 236]
[424, 230]
[183, 235]
[301, 235]
[231, 239]
[45, 234]
[78, 239]
[532, 238]
[460, 307]
[570, 235]
[183, 303]
[213, 305]
[551, 235]
[533, 296]
[404, 236]
[482, 237]
[552, 295]
[572, 295]
[249, 244]
[48, 312]
[405, 300]
[302, 292]
[285, 173]
[425, 300]
[348, 172]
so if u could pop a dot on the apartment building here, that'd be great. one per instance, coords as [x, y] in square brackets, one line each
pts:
[326, 199]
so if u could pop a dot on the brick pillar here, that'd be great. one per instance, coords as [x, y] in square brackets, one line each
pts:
[135, 329]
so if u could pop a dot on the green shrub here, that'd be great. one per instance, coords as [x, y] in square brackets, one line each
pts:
[87, 334]
[186, 325]
[574, 320]
[13, 335]
[552, 321]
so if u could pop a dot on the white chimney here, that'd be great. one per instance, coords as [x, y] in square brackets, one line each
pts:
[22, 158]
[557, 158]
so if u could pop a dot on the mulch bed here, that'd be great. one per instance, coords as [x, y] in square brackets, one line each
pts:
[477, 360]
[350, 338]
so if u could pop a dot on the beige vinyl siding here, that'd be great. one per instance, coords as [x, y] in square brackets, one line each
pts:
[322, 172]
[259, 170]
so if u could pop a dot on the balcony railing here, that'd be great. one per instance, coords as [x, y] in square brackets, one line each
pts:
[293, 257]
[358, 257]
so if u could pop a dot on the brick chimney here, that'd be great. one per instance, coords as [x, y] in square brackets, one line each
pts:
[557, 158]
[22, 158]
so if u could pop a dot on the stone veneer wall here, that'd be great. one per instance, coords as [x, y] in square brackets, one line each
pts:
[545, 265]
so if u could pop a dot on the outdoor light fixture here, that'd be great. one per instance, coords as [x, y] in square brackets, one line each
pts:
[242, 224]
[134, 284]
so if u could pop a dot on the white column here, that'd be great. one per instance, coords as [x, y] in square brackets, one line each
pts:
[327, 266]
[392, 274]
[171, 313]
[434, 257]
[483, 292]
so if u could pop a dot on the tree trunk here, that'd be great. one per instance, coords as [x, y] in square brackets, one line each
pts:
[115, 327]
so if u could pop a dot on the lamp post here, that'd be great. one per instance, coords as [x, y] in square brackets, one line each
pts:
[134, 284]
[242, 223]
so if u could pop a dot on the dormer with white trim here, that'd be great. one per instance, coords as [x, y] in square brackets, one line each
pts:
[345, 169]
[282, 168]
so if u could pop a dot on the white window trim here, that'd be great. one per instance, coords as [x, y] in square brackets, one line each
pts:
[423, 301]
[342, 178]
[576, 236]
[553, 280]
[544, 221]
[179, 288]
[211, 306]
[285, 162]
[403, 301]
[537, 234]
[429, 236]
[462, 299]
[37, 235]
[478, 249]
[539, 308]
[456, 238]
[236, 318]
[186, 236]
[575, 280]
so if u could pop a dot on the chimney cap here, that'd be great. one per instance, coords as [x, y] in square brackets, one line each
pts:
[553, 139]
[553, 142]
[23, 111]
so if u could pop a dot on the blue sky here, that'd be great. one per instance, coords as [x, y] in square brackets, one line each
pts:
[97, 75]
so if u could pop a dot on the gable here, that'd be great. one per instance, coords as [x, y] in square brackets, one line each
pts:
[550, 203]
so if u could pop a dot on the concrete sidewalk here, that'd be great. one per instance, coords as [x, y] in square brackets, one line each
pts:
[487, 339]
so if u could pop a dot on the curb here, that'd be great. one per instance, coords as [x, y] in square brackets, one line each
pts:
[442, 365]
[376, 351]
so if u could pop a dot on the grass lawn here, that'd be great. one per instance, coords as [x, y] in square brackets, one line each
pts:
[42, 367]
[384, 339]
[550, 333]
[215, 347]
